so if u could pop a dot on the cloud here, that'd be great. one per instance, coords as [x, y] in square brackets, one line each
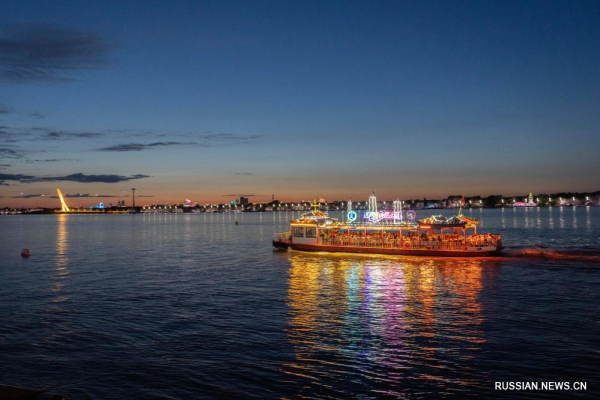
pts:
[229, 137]
[145, 195]
[14, 135]
[13, 177]
[49, 160]
[243, 173]
[10, 153]
[141, 146]
[55, 135]
[49, 53]
[28, 196]
[206, 139]
[5, 110]
[209, 140]
[225, 139]
[79, 177]
[11, 135]
[241, 195]
[89, 195]
[4, 166]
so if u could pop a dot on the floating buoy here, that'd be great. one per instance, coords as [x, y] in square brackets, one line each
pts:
[236, 222]
[25, 253]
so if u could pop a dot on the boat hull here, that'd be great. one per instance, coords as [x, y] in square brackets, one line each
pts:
[394, 251]
[281, 245]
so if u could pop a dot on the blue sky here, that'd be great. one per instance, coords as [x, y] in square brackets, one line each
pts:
[328, 99]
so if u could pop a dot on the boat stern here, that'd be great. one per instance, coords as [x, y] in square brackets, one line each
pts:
[282, 241]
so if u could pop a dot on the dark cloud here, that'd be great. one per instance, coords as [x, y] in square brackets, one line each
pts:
[79, 177]
[89, 195]
[15, 135]
[49, 160]
[227, 139]
[55, 135]
[4, 166]
[37, 115]
[4, 110]
[10, 153]
[243, 173]
[209, 140]
[145, 195]
[7, 137]
[48, 53]
[134, 132]
[230, 137]
[28, 196]
[13, 177]
[141, 146]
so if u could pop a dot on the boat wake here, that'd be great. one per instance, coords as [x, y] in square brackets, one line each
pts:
[570, 255]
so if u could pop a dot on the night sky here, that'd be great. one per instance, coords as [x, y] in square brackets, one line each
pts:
[301, 99]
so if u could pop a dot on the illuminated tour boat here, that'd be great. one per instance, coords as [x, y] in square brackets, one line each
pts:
[394, 232]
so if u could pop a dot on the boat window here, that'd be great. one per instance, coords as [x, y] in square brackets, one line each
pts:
[311, 232]
[298, 232]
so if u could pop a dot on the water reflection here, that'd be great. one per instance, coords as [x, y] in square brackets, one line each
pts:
[61, 271]
[562, 218]
[382, 319]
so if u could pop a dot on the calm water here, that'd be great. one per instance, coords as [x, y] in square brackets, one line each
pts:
[193, 306]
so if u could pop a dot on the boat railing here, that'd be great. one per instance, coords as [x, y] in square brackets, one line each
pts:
[283, 236]
[412, 242]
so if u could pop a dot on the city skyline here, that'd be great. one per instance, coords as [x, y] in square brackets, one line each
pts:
[95, 201]
[216, 100]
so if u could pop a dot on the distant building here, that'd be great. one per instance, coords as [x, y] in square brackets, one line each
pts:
[244, 201]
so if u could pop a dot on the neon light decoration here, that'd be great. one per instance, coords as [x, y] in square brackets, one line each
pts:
[352, 216]
[373, 203]
[398, 209]
[377, 216]
[373, 215]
